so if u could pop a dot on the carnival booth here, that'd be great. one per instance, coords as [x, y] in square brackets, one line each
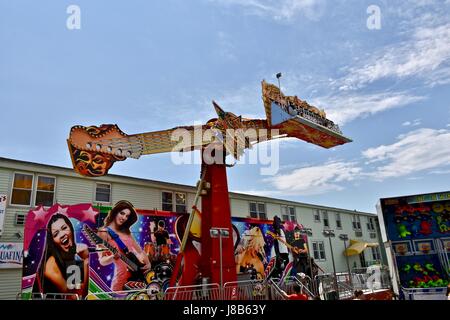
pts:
[416, 230]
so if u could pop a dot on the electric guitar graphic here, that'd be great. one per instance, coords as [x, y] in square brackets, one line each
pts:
[293, 248]
[132, 262]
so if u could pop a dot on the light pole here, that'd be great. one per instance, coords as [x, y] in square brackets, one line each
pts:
[329, 234]
[220, 233]
[344, 237]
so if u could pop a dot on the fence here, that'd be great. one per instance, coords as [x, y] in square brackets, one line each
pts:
[197, 292]
[47, 296]
[425, 294]
[246, 290]
[125, 295]
[326, 286]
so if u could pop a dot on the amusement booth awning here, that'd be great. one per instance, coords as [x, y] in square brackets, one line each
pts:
[356, 247]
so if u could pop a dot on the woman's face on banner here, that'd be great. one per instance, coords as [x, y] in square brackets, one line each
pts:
[122, 217]
[62, 235]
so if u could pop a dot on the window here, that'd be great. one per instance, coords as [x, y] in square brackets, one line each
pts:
[316, 215]
[22, 189]
[288, 214]
[338, 221]
[326, 223]
[20, 219]
[318, 250]
[370, 224]
[356, 222]
[45, 191]
[103, 192]
[258, 210]
[180, 202]
[362, 260]
[376, 255]
[167, 201]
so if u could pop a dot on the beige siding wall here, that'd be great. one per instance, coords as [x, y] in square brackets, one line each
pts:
[71, 190]
[10, 282]
[10, 227]
[190, 202]
[239, 208]
[272, 210]
[5, 181]
[140, 197]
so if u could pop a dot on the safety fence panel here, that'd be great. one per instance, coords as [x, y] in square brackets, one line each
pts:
[197, 292]
[246, 290]
[275, 292]
[30, 296]
[142, 294]
[61, 296]
[425, 293]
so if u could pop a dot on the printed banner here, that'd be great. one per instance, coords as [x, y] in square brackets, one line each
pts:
[11, 255]
[123, 252]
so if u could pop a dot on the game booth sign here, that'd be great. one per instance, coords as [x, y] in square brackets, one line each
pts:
[416, 232]
[65, 257]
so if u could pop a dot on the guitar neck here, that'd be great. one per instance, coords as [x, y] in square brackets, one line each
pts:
[180, 138]
[283, 241]
[96, 239]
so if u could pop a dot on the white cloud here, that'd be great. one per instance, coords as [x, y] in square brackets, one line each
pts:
[284, 10]
[416, 151]
[415, 123]
[440, 171]
[426, 54]
[316, 179]
[344, 108]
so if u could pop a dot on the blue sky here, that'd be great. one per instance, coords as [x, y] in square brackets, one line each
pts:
[151, 65]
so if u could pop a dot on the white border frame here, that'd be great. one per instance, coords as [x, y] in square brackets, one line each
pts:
[257, 211]
[173, 198]
[110, 193]
[418, 252]
[36, 189]
[12, 188]
[411, 247]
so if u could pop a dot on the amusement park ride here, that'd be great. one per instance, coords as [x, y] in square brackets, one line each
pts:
[95, 149]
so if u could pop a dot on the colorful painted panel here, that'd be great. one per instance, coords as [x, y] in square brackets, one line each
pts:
[417, 226]
[71, 251]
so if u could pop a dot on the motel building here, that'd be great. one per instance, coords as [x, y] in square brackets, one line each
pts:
[25, 185]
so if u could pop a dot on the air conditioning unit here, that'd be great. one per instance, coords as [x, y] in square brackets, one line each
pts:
[373, 235]
[358, 233]
[20, 219]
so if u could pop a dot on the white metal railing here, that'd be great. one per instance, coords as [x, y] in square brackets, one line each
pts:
[324, 285]
[443, 255]
[141, 294]
[30, 296]
[424, 294]
[275, 292]
[197, 292]
[62, 296]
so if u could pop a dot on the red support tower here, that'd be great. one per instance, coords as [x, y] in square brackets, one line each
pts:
[216, 214]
